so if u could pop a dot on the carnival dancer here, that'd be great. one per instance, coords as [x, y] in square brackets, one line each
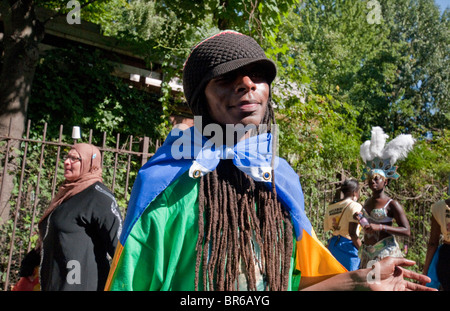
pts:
[380, 210]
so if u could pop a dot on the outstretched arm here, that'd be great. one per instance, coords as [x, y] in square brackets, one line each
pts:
[386, 275]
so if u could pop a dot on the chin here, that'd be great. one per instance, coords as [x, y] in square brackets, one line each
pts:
[251, 120]
[69, 178]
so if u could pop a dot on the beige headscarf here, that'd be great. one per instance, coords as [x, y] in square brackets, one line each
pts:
[91, 172]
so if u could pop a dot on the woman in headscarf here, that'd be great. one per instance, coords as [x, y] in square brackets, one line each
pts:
[79, 231]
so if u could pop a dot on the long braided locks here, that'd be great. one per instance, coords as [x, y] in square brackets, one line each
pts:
[245, 235]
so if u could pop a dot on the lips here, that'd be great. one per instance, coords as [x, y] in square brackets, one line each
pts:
[248, 105]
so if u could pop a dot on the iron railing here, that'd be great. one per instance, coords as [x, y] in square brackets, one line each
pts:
[36, 169]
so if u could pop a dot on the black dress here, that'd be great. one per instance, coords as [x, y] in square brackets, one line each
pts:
[78, 236]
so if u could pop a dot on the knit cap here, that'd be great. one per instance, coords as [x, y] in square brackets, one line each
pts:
[217, 55]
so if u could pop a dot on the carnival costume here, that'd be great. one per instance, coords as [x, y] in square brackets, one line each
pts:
[380, 158]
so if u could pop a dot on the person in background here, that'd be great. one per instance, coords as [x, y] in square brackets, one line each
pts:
[437, 261]
[379, 211]
[380, 235]
[78, 232]
[345, 242]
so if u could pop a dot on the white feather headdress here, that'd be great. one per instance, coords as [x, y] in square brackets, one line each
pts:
[381, 157]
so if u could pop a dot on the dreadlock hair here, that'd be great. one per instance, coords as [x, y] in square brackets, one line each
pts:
[235, 212]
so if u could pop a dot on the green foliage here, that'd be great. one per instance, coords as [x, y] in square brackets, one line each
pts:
[427, 164]
[423, 34]
[74, 86]
[388, 70]
[96, 11]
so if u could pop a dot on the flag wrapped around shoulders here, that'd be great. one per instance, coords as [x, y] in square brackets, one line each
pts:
[188, 150]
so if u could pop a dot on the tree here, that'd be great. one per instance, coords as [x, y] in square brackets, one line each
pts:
[318, 130]
[75, 87]
[423, 74]
[394, 72]
[22, 33]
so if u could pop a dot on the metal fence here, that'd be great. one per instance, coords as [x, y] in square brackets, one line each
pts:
[37, 171]
[35, 168]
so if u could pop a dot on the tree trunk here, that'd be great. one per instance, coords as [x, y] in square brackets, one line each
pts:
[22, 34]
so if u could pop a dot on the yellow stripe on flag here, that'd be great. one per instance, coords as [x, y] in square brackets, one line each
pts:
[114, 262]
[314, 259]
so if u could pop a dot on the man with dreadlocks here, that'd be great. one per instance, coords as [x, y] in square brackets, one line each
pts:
[223, 212]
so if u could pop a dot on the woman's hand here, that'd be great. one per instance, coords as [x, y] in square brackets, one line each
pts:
[372, 228]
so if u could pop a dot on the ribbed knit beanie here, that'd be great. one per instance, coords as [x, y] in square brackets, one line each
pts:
[218, 55]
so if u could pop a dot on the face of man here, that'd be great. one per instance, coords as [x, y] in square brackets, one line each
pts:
[238, 97]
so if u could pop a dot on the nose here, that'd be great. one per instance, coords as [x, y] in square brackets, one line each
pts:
[244, 83]
[67, 162]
